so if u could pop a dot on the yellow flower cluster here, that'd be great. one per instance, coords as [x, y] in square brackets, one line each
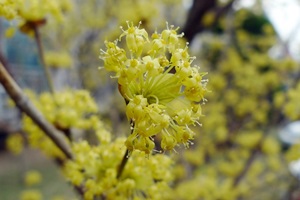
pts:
[293, 154]
[95, 168]
[151, 12]
[31, 195]
[65, 109]
[7, 8]
[33, 10]
[238, 153]
[210, 188]
[15, 143]
[163, 95]
[60, 59]
[143, 10]
[292, 106]
[32, 177]
[215, 179]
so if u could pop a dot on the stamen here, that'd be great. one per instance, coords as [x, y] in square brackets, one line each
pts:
[157, 151]
[167, 24]
[198, 123]
[114, 76]
[175, 151]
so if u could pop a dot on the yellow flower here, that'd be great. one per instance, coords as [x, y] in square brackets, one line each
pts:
[64, 109]
[163, 95]
[32, 178]
[14, 143]
[95, 168]
[60, 59]
[8, 8]
[31, 195]
[34, 10]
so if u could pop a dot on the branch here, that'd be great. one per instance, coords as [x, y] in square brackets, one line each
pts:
[193, 24]
[122, 164]
[247, 166]
[23, 103]
[125, 158]
[4, 62]
[42, 59]
[223, 10]
[249, 161]
[196, 13]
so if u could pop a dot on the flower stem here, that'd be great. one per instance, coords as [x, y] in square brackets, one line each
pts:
[125, 157]
[122, 164]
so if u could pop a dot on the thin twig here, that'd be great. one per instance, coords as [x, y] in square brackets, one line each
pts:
[249, 161]
[26, 106]
[247, 166]
[125, 157]
[42, 59]
[79, 189]
[122, 164]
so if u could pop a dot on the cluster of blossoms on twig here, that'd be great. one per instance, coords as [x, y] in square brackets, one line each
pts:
[162, 90]
[95, 169]
[66, 109]
[30, 14]
[33, 10]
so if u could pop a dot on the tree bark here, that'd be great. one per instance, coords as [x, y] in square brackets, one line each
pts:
[26, 106]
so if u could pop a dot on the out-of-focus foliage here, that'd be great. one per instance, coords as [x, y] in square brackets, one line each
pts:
[96, 168]
[238, 152]
[95, 164]
[66, 110]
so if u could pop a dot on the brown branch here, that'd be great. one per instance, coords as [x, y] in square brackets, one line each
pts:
[122, 164]
[193, 22]
[125, 158]
[26, 106]
[199, 8]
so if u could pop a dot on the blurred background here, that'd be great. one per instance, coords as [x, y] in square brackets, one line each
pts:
[250, 130]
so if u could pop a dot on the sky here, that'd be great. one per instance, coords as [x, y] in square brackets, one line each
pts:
[285, 17]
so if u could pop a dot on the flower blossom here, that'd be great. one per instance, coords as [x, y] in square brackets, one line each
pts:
[162, 90]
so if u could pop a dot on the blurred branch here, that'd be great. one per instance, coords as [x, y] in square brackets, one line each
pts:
[255, 151]
[23, 103]
[247, 166]
[125, 158]
[193, 24]
[5, 63]
[122, 164]
[42, 58]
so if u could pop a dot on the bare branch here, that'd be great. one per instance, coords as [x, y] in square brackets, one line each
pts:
[23, 103]
[42, 59]
[255, 151]
[193, 24]
[196, 13]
